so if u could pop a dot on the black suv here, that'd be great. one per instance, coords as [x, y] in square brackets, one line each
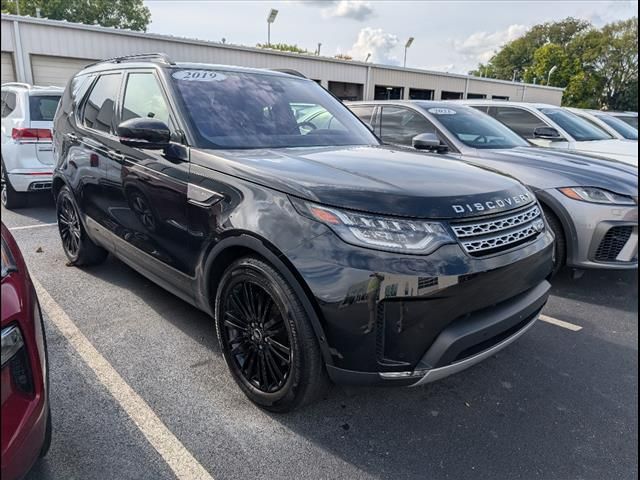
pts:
[258, 197]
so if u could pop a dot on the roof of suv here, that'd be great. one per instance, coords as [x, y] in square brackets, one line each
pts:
[32, 89]
[130, 64]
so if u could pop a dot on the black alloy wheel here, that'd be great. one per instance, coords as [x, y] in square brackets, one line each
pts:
[257, 336]
[266, 337]
[77, 246]
[69, 226]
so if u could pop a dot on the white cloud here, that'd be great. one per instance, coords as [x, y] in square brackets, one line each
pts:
[359, 10]
[379, 44]
[481, 46]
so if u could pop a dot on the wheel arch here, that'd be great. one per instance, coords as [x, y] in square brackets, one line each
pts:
[243, 244]
[568, 228]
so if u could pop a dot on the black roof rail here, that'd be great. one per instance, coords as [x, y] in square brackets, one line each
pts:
[160, 57]
[288, 71]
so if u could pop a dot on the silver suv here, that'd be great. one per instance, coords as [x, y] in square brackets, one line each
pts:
[27, 155]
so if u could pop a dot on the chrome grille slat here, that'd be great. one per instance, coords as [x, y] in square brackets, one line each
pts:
[481, 228]
[490, 236]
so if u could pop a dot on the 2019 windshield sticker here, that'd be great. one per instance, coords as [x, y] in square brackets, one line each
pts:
[199, 76]
[442, 111]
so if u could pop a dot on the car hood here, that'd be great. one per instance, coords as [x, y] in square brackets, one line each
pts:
[544, 168]
[376, 179]
[623, 150]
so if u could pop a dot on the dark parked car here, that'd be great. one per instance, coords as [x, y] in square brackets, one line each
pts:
[591, 203]
[26, 419]
[317, 250]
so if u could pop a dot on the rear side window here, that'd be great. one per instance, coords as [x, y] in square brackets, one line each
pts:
[363, 112]
[8, 103]
[99, 109]
[518, 120]
[43, 108]
[400, 125]
[143, 98]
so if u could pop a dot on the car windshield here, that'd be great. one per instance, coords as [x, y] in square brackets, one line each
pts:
[629, 120]
[42, 108]
[579, 128]
[624, 129]
[238, 110]
[476, 129]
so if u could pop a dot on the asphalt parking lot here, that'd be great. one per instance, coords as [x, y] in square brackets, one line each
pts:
[561, 403]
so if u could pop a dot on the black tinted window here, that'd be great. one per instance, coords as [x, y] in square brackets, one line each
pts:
[43, 108]
[143, 98]
[8, 103]
[517, 119]
[399, 125]
[99, 110]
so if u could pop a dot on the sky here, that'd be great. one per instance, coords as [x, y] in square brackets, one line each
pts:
[451, 36]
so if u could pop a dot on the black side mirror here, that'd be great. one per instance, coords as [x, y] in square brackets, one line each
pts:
[547, 133]
[144, 133]
[428, 141]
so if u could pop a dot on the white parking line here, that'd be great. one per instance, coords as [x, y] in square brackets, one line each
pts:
[560, 323]
[179, 459]
[39, 225]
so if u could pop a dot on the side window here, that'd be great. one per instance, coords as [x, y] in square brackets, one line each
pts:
[143, 98]
[8, 103]
[518, 120]
[99, 109]
[309, 119]
[399, 125]
[363, 112]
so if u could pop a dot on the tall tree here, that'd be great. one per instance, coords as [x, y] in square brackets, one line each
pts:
[597, 67]
[131, 14]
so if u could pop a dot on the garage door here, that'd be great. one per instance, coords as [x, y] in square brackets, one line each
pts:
[55, 70]
[8, 72]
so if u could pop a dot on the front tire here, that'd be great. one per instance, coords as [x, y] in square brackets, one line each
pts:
[560, 241]
[266, 337]
[77, 246]
[11, 199]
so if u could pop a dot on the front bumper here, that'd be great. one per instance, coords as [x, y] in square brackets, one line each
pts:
[385, 314]
[590, 225]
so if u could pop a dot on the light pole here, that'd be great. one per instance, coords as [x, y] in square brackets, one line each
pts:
[553, 69]
[368, 57]
[319, 45]
[406, 46]
[270, 19]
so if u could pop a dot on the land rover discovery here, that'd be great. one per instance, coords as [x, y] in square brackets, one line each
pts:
[319, 252]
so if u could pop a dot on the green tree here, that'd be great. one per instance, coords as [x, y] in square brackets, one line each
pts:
[597, 67]
[130, 14]
[283, 47]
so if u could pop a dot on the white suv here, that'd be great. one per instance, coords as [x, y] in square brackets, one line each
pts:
[553, 126]
[27, 156]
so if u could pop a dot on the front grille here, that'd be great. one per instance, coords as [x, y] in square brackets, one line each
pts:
[613, 243]
[499, 232]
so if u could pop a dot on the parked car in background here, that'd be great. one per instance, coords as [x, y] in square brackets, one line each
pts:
[630, 118]
[590, 203]
[27, 156]
[609, 123]
[26, 418]
[316, 249]
[553, 126]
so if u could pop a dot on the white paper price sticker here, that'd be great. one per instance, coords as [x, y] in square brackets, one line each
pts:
[442, 111]
[199, 76]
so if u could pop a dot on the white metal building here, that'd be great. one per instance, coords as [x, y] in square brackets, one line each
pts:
[49, 52]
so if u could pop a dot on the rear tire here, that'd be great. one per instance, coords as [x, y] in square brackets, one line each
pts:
[560, 242]
[266, 337]
[11, 199]
[77, 246]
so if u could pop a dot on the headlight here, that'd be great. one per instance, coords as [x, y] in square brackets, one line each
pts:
[597, 195]
[379, 232]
